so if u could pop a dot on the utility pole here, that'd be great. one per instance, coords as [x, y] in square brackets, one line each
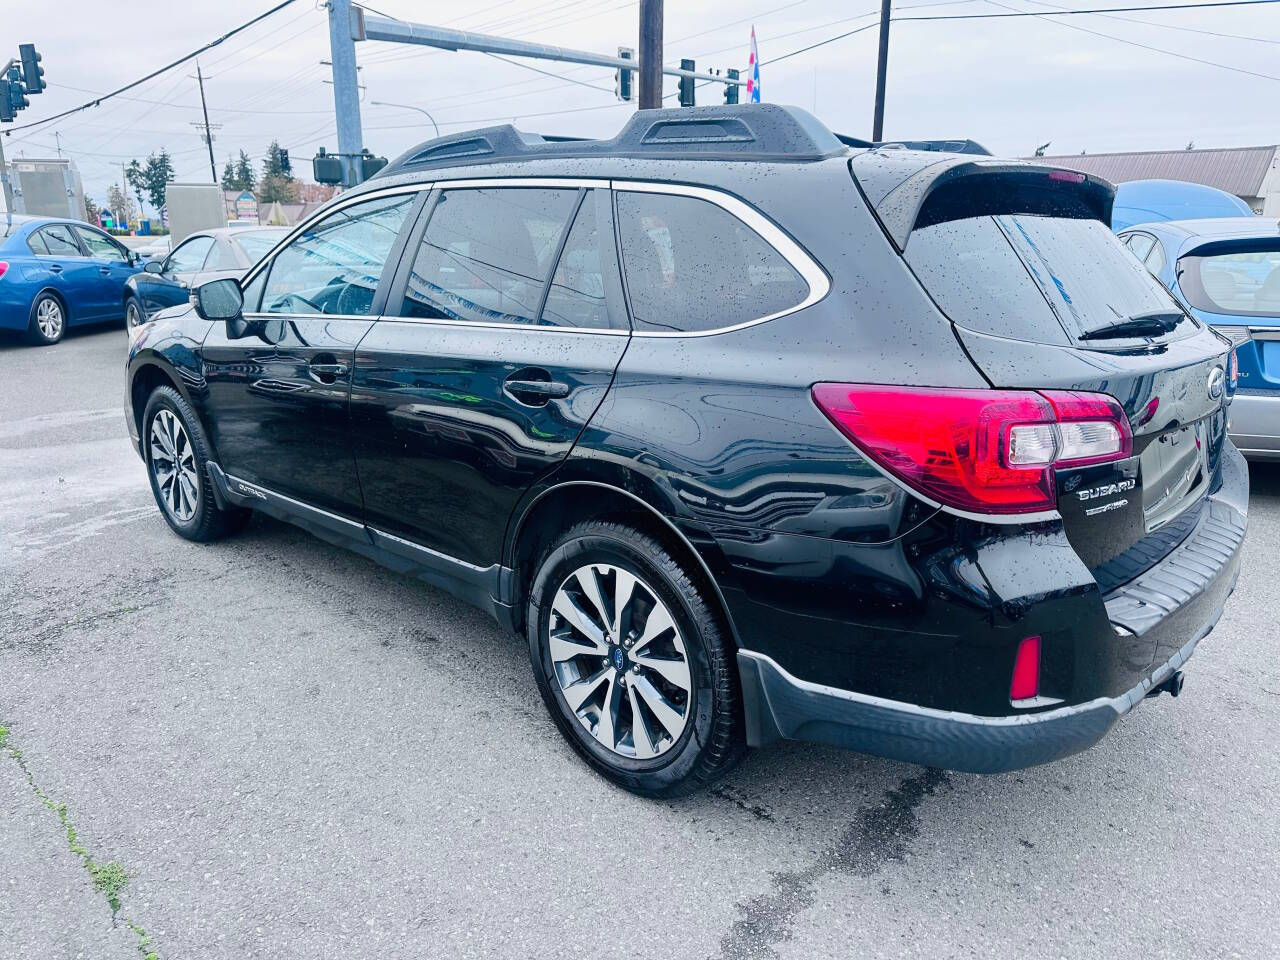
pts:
[651, 54]
[208, 131]
[882, 69]
[57, 139]
[346, 89]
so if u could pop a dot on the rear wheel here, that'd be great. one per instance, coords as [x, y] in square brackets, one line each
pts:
[632, 662]
[177, 454]
[48, 320]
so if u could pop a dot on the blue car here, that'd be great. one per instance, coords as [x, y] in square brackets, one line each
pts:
[1227, 271]
[56, 274]
[1147, 201]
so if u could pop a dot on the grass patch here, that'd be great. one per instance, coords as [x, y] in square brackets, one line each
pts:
[110, 878]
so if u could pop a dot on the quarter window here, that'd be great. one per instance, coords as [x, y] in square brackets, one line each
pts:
[57, 241]
[190, 256]
[691, 265]
[486, 254]
[1140, 244]
[334, 266]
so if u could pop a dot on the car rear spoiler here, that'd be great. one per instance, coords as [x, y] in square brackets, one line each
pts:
[910, 189]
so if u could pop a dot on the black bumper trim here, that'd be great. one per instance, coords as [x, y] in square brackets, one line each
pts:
[779, 706]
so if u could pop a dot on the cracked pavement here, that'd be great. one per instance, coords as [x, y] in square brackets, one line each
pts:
[296, 753]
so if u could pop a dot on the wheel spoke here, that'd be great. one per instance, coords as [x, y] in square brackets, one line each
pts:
[639, 727]
[624, 585]
[607, 727]
[662, 708]
[590, 585]
[565, 647]
[676, 672]
[659, 622]
[578, 693]
[579, 619]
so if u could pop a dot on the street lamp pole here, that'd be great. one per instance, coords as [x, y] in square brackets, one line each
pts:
[407, 106]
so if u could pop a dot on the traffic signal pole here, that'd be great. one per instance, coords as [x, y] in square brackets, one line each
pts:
[346, 90]
[208, 130]
[882, 70]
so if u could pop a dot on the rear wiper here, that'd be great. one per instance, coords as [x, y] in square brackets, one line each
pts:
[1151, 324]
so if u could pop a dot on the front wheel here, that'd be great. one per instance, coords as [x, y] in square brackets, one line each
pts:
[133, 314]
[177, 454]
[632, 662]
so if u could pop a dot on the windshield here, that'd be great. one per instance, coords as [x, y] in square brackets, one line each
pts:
[1045, 279]
[1243, 283]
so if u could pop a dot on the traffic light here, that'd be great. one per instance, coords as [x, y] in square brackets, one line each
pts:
[369, 164]
[731, 89]
[285, 166]
[622, 79]
[32, 72]
[6, 105]
[686, 85]
[17, 91]
[326, 168]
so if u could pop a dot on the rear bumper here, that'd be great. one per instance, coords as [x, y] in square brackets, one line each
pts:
[1255, 424]
[1172, 606]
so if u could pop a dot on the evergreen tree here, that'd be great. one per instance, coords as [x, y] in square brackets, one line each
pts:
[277, 186]
[245, 178]
[229, 181]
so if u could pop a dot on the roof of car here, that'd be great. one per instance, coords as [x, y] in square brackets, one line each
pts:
[1181, 236]
[768, 132]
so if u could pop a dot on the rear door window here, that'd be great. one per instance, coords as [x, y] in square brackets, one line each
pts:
[486, 254]
[1039, 278]
[691, 265]
[58, 241]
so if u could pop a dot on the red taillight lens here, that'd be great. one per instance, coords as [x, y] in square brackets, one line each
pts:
[1233, 367]
[3, 267]
[1026, 670]
[985, 451]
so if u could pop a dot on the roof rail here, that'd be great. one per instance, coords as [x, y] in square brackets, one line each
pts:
[745, 131]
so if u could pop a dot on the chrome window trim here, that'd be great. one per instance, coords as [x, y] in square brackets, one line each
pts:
[340, 203]
[813, 275]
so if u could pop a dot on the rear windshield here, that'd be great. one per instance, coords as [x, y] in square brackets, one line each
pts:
[1026, 277]
[1246, 283]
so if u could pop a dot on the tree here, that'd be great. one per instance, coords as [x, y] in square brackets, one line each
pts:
[134, 178]
[120, 205]
[277, 186]
[91, 210]
[245, 178]
[229, 176]
[156, 177]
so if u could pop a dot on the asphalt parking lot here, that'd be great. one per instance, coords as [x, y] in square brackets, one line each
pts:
[270, 747]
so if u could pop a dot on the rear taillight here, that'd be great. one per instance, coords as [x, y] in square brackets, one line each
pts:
[1233, 369]
[3, 267]
[982, 451]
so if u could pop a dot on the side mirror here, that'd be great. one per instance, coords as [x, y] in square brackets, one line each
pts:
[153, 266]
[219, 299]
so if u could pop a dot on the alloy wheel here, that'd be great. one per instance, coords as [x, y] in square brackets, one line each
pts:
[173, 462]
[620, 662]
[131, 315]
[49, 318]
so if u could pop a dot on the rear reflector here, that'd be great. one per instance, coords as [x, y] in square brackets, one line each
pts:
[3, 267]
[1026, 671]
[982, 451]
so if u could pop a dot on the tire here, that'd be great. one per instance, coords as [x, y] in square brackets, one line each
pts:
[172, 434]
[133, 312]
[689, 646]
[48, 320]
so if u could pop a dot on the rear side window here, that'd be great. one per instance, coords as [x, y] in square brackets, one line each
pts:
[1246, 283]
[1039, 278]
[57, 241]
[189, 257]
[486, 254]
[691, 265]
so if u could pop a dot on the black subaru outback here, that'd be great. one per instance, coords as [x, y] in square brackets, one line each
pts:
[752, 432]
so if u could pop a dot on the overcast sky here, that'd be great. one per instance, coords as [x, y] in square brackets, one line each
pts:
[1010, 84]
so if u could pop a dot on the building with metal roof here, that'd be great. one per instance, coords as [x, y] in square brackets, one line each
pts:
[1251, 173]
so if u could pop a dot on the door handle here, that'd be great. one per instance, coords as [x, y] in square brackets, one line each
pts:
[327, 373]
[55, 267]
[105, 271]
[527, 387]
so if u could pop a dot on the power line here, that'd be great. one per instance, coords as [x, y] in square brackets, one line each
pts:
[1174, 26]
[1075, 12]
[548, 73]
[155, 73]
